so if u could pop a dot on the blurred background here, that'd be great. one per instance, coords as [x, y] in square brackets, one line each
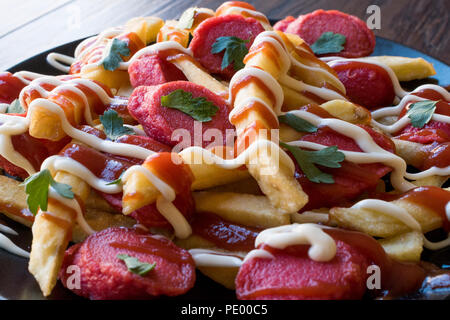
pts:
[28, 27]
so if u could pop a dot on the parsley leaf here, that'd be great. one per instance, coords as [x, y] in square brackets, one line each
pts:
[421, 112]
[113, 125]
[328, 157]
[117, 181]
[297, 123]
[118, 49]
[235, 51]
[36, 188]
[15, 107]
[198, 108]
[135, 266]
[187, 19]
[329, 42]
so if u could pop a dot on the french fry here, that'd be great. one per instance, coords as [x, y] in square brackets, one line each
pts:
[246, 209]
[146, 28]
[170, 32]
[139, 192]
[13, 201]
[293, 100]
[281, 188]
[247, 186]
[407, 69]
[348, 111]
[379, 224]
[99, 220]
[307, 67]
[434, 181]
[411, 152]
[196, 74]
[404, 247]
[52, 233]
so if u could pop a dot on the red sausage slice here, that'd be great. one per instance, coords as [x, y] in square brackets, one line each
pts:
[292, 275]
[104, 276]
[433, 131]
[160, 122]
[151, 70]
[360, 39]
[282, 25]
[10, 87]
[351, 179]
[367, 84]
[224, 26]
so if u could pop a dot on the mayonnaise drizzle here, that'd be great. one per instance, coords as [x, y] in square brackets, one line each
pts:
[323, 246]
[54, 59]
[216, 258]
[8, 245]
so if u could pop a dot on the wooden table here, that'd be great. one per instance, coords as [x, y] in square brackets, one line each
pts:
[28, 27]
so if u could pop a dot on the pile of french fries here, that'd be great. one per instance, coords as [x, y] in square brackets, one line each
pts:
[243, 196]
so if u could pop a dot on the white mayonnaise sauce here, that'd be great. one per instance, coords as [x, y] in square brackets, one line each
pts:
[323, 246]
[216, 258]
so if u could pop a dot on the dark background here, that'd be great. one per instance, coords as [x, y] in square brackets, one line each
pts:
[28, 27]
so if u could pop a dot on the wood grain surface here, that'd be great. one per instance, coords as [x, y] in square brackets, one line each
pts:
[28, 27]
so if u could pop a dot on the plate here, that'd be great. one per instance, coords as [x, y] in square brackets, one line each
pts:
[17, 283]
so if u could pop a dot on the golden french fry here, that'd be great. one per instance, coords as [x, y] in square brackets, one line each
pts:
[196, 74]
[288, 134]
[434, 181]
[170, 32]
[247, 186]
[146, 28]
[404, 247]
[99, 220]
[139, 192]
[116, 79]
[306, 67]
[293, 100]
[348, 111]
[411, 152]
[280, 186]
[13, 201]
[51, 235]
[407, 69]
[380, 224]
[246, 209]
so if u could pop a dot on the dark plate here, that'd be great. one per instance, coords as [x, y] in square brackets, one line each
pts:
[17, 283]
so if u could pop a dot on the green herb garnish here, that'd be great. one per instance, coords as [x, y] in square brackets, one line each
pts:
[328, 157]
[117, 50]
[198, 108]
[329, 42]
[36, 188]
[113, 125]
[421, 112]
[136, 266]
[297, 123]
[235, 51]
